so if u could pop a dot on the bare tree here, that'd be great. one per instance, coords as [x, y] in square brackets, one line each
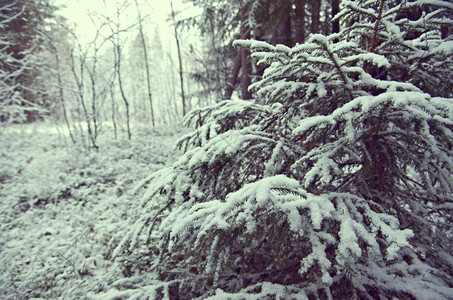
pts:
[120, 84]
[79, 68]
[112, 98]
[60, 86]
[115, 39]
[145, 54]
[78, 71]
[84, 61]
[181, 73]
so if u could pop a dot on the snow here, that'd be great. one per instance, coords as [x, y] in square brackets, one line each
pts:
[349, 241]
[265, 289]
[72, 245]
[77, 224]
[62, 210]
[444, 48]
[376, 59]
[318, 255]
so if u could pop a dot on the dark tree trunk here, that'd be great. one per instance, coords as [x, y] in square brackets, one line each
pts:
[281, 17]
[315, 11]
[123, 95]
[283, 34]
[335, 11]
[181, 73]
[145, 54]
[246, 66]
[234, 77]
[299, 21]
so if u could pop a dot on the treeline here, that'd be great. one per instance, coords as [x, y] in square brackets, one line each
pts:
[123, 72]
[276, 22]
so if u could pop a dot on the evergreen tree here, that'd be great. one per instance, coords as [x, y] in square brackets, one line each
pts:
[335, 183]
[11, 65]
[21, 32]
[284, 22]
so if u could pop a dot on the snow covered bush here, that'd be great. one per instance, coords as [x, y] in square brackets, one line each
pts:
[335, 183]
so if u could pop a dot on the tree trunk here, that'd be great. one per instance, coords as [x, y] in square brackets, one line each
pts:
[145, 52]
[117, 47]
[94, 97]
[112, 95]
[300, 21]
[181, 73]
[283, 33]
[234, 76]
[62, 101]
[246, 66]
[80, 96]
[315, 11]
[123, 95]
[60, 86]
[335, 11]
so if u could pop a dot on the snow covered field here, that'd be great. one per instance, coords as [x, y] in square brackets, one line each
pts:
[63, 210]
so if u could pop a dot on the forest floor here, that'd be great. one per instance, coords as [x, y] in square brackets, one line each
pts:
[64, 209]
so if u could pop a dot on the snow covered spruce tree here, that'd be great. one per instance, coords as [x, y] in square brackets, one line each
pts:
[23, 97]
[11, 101]
[335, 183]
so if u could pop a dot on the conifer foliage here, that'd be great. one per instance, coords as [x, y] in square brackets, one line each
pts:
[334, 183]
[23, 25]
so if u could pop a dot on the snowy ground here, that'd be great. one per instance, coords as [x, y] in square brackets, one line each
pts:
[63, 210]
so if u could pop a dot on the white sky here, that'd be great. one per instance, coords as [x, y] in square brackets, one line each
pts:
[77, 12]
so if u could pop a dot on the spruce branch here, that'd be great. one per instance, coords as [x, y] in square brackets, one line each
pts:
[340, 72]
